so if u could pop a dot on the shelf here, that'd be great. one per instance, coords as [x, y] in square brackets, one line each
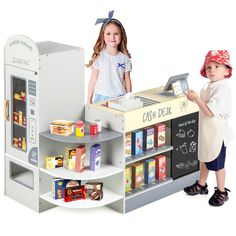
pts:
[108, 197]
[103, 136]
[148, 187]
[104, 171]
[23, 126]
[150, 153]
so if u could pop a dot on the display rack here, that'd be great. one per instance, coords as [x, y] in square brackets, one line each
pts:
[40, 87]
[175, 112]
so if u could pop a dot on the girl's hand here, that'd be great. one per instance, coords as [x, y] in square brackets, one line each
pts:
[192, 95]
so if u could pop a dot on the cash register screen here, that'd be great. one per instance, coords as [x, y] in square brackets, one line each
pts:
[176, 85]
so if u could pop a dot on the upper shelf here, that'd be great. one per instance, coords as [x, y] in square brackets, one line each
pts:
[103, 136]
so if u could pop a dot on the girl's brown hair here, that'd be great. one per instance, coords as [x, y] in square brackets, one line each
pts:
[100, 44]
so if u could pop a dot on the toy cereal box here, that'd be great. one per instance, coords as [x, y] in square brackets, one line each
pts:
[150, 171]
[95, 157]
[128, 177]
[137, 142]
[148, 138]
[128, 144]
[80, 158]
[159, 135]
[137, 175]
[160, 167]
[70, 157]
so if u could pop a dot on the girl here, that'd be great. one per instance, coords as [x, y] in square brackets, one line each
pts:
[110, 62]
[214, 131]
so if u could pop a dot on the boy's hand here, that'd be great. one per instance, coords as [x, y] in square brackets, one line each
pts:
[192, 95]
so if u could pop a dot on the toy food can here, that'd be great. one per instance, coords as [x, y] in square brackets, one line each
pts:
[79, 128]
[93, 128]
[99, 125]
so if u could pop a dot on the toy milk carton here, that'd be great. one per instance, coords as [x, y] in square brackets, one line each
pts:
[160, 167]
[80, 158]
[159, 135]
[128, 176]
[95, 157]
[70, 157]
[137, 142]
[150, 171]
[128, 144]
[148, 138]
[137, 175]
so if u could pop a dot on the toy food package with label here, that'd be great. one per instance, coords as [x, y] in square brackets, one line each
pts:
[94, 190]
[95, 157]
[52, 162]
[160, 167]
[70, 157]
[128, 177]
[80, 158]
[159, 135]
[128, 144]
[148, 138]
[150, 171]
[137, 175]
[137, 142]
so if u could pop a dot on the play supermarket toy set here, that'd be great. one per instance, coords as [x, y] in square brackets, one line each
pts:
[122, 153]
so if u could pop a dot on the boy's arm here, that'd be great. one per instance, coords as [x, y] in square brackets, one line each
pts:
[193, 96]
[91, 86]
[128, 84]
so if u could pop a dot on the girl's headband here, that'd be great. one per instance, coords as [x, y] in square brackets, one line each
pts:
[107, 20]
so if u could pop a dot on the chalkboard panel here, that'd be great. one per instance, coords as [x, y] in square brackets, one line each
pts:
[184, 139]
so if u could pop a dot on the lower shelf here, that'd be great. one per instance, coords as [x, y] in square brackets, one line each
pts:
[108, 198]
[147, 187]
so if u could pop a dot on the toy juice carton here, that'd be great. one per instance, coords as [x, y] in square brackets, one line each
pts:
[137, 142]
[148, 138]
[137, 175]
[70, 157]
[128, 144]
[150, 171]
[80, 158]
[159, 135]
[128, 178]
[160, 167]
[95, 157]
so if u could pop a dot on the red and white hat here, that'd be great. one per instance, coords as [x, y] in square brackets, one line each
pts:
[218, 56]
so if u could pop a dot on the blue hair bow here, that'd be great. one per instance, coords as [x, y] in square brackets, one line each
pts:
[104, 20]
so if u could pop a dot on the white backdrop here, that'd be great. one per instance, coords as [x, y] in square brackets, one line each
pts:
[165, 38]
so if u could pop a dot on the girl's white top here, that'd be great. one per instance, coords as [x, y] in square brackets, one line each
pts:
[214, 130]
[111, 68]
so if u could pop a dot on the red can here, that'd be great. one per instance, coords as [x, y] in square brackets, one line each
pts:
[93, 128]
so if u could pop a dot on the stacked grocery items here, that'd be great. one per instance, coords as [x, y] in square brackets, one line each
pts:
[146, 139]
[66, 127]
[145, 172]
[74, 158]
[71, 190]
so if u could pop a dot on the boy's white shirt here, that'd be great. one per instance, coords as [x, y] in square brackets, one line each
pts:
[214, 130]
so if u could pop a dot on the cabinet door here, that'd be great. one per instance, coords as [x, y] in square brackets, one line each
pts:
[17, 125]
[184, 138]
